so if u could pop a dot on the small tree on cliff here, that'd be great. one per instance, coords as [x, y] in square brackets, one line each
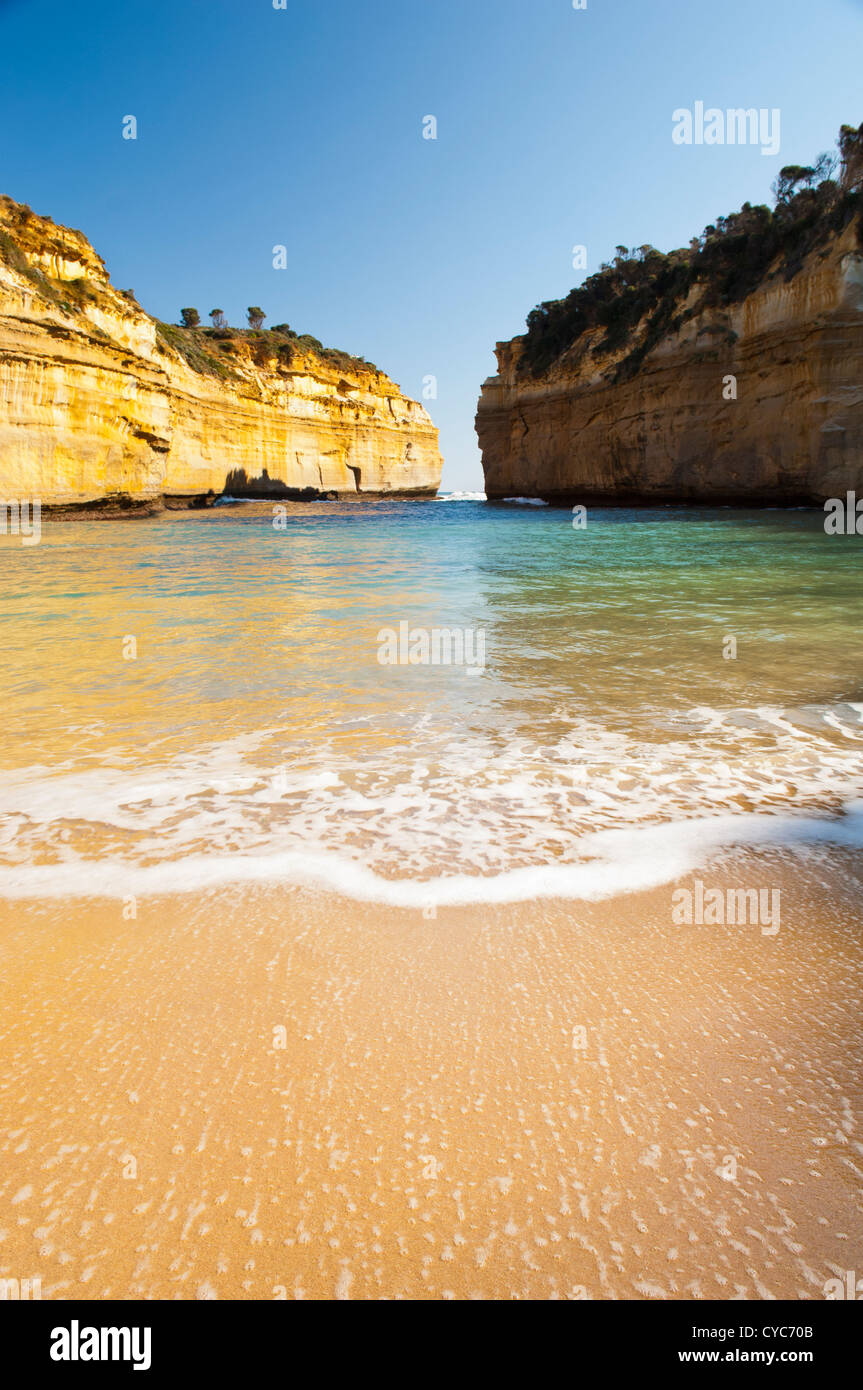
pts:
[791, 179]
[825, 167]
[190, 318]
[256, 316]
[851, 154]
[218, 317]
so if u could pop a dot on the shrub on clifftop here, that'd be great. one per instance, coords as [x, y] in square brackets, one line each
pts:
[729, 260]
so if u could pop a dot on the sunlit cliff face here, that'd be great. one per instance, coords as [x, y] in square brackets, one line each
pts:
[761, 401]
[96, 401]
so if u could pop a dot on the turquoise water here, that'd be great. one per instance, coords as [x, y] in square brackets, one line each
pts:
[256, 734]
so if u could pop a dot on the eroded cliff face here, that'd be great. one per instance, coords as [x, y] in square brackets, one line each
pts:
[673, 432]
[99, 401]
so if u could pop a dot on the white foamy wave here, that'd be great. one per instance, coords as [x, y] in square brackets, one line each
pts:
[526, 501]
[461, 497]
[614, 862]
[427, 807]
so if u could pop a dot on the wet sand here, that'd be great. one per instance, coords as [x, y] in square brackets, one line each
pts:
[555, 1100]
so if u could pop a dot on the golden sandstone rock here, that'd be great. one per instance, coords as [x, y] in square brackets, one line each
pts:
[756, 402]
[98, 401]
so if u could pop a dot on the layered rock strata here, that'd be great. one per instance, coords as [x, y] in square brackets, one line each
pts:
[100, 404]
[756, 402]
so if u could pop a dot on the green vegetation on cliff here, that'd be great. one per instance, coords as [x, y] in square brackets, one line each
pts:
[28, 242]
[217, 350]
[727, 262]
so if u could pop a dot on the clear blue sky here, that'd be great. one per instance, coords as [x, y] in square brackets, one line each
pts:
[303, 127]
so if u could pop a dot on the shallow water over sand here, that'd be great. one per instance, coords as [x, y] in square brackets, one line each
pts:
[329, 979]
[256, 724]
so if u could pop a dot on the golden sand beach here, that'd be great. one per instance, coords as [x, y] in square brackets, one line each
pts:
[281, 1094]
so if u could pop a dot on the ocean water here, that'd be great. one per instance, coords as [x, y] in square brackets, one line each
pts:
[197, 699]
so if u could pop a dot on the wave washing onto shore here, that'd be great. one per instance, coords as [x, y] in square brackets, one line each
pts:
[616, 862]
[463, 822]
[255, 735]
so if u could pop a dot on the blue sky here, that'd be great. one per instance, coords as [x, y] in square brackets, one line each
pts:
[303, 127]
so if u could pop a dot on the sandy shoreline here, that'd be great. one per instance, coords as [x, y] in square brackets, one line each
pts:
[555, 1100]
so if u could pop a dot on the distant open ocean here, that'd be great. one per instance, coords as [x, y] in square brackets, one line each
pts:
[605, 742]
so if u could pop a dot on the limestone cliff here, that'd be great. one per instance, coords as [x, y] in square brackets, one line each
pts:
[99, 401]
[628, 397]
